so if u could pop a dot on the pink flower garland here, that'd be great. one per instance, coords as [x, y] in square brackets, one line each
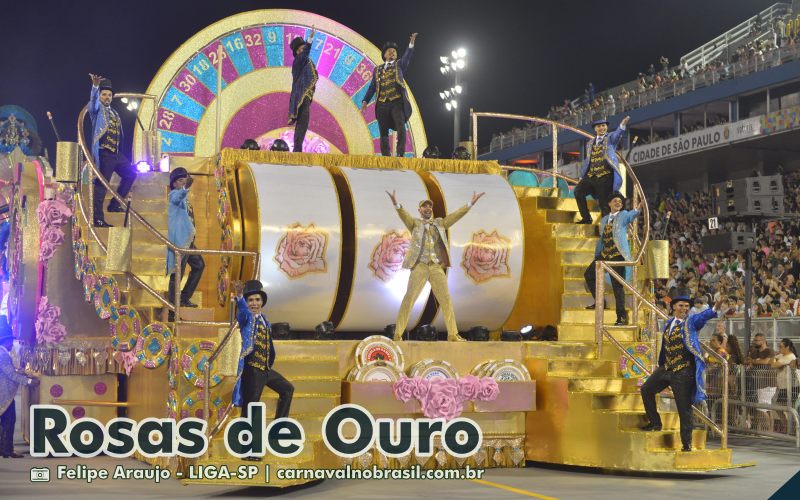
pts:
[48, 323]
[445, 397]
[52, 214]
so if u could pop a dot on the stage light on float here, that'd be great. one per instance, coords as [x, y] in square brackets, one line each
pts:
[510, 336]
[388, 331]
[281, 331]
[143, 167]
[526, 332]
[425, 333]
[478, 334]
[324, 331]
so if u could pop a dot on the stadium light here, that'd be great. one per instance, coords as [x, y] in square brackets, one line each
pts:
[455, 64]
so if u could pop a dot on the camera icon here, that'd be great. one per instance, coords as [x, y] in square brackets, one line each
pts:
[40, 475]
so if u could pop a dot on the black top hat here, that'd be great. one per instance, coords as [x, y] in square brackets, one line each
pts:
[296, 43]
[178, 173]
[431, 152]
[106, 85]
[254, 286]
[616, 194]
[681, 298]
[250, 144]
[599, 121]
[387, 46]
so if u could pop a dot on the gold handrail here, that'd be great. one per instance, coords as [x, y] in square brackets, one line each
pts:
[179, 251]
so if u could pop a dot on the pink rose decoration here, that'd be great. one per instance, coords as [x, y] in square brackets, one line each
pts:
[443, 400]
[469, 387]
[486, 256]
[404, 389]
[127, 359]
[301, 250]
[387, 257]
[489, 389]
[53, 212]
[48, 325]
[421, 388]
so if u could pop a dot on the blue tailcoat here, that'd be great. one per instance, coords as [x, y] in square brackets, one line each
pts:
[180, 229]
[100, 116]
[247, 322]
[402, 67]
[689, 329]
[620, 231]
[610, 144]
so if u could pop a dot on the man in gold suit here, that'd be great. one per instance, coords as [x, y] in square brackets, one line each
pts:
[427, 257]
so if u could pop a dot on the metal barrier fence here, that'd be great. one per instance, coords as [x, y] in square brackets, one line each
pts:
[762, 400]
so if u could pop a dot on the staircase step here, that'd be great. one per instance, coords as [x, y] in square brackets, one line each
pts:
[577, 257]
[574, 284]
[633, 420]
[574, 230]
[584, 299]
[561, 216]
[290, 366]
[587, 316]
[620, 401]
[317, 385]
[581, 368]
[604, 385]
[197, 314]
[564, 204]
[561, 349]
[703, 459]
[670, 440]
[586, 243]
[574, 272]
[585, 332]
[140, 267]
[307, 348]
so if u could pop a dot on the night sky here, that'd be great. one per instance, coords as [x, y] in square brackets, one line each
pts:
[524, 56]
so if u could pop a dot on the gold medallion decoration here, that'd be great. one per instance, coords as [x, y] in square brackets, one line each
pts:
[154, 345]
[106, 296]
[192, 406]
[194, 363]
[486, 256]
[508, 370]
[432, 368]
[480, 369]
[301, 250]
[375, 371]
[379, 348]
[629, 369]
[126, 325]
[387, 257]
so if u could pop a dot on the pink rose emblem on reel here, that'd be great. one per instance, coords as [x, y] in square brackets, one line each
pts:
[486, 256]
[387, 257]
[301, 250]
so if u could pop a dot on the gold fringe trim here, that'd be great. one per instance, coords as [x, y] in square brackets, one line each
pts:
[229, 157]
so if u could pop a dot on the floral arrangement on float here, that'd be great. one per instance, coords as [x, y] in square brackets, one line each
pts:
[445, 397]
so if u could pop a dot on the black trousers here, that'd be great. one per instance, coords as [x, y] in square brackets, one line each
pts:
[301, 125]
[110, 163]
[600, 189]
[590, 275]
[196, 267]
[682, 384]
[391, 116]
[7, 421]
[253, 382]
